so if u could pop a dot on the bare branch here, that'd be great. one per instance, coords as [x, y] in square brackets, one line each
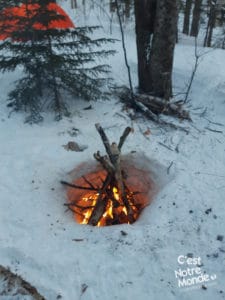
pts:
[78, 206]
[105, 139]
[123, 137]
[105, 162]
[88, 182]
[78, 186]
[124, 49]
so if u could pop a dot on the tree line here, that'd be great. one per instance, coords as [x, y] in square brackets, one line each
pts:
[58, 62]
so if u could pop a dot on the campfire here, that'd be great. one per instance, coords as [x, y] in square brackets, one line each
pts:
[115, 192]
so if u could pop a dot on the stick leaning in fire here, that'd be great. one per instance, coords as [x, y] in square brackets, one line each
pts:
[111, 164]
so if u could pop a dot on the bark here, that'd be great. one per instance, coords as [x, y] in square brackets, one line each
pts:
[112, 6]
[123, 137]
[101, 204]
[187, 12]
[211, 24]
[84, 7]
[145, 11]
[127, 8]
[162, 52]
[73, 4]
[196, 18]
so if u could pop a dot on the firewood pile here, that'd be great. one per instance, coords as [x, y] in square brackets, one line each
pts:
[152, 107]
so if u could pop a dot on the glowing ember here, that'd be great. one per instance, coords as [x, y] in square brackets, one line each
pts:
[115, 209]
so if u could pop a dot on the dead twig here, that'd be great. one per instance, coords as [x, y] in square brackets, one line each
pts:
[124, 49]
[197, 56]
[88, 182]
[164, 145]
[168, 169]
[105, 162]
[78, 186]
[78, 206]
[214, 123]
[213, 130]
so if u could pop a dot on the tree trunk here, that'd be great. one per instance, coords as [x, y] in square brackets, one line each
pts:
[163, 44]
[211, 24]
[73, 4]
[187, 13]
[112, 6]
[145, 11]
[196, 18]
[127, 8]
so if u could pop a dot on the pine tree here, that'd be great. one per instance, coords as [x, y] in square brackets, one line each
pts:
[55, 62]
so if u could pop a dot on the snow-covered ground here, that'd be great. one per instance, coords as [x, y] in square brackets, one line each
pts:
[39, 240]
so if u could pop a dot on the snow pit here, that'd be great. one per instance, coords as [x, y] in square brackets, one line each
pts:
[140, 187]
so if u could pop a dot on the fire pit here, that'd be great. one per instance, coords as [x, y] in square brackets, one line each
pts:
[83, 202]
[114, 192]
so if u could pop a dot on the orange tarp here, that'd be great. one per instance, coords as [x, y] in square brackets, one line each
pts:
[9, 19]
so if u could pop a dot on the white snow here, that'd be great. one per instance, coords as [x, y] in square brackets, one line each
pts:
[187, 215]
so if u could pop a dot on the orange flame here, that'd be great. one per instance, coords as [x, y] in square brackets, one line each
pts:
[83, 202]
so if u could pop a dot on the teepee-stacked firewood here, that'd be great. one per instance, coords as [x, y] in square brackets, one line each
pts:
[114, 201]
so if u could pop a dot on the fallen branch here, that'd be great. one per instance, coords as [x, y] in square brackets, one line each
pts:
[16, 284]
[161, 106]
[214, 123]
[152, 107]
[148, 113]
[164, 145]
[214, 130]
[168, 169]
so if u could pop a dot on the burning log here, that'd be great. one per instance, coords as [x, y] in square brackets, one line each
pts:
[108, 200]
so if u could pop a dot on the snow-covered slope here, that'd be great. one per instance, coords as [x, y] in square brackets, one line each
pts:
[38, 239]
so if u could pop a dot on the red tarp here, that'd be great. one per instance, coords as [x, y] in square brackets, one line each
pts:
[12, 23]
